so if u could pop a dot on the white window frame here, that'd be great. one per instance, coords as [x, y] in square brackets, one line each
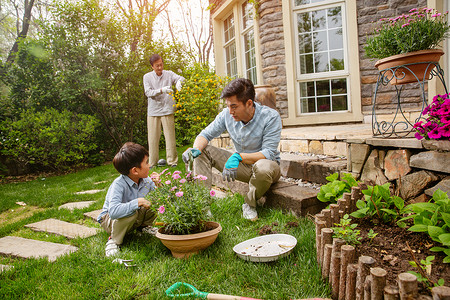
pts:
[351, 67]
[227, 8]
[245, 31]
[227, 45]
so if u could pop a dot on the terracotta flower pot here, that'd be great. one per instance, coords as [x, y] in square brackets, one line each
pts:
[265, 95]
[182, 246]
[405, 74]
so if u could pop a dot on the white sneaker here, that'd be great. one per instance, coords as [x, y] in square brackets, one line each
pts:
[111, 248]
[249, 212]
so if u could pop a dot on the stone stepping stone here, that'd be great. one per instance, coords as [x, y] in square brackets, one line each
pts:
[26, 248]
[66, 229]
[93, 214]
[89, 192]
[5, 268]
[76, 205]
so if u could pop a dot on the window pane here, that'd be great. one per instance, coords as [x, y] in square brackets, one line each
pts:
[306, 64]
[336, 60]
[323, 87]
[229, 28]
[301, 2]
[323, 104]
[319, 19]
[247, 17]
[304, 22]
[305, 43]
[308, 105]
[336, 41]
[320, 41]
[339, 103]
[334, 17]
[230, 59]
[321, 62]
[307, 89]
[339, 86]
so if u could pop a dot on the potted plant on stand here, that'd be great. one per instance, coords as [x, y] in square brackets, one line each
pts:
[182, 205]
[409, 41]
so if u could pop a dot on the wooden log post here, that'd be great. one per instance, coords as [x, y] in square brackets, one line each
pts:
[319, 226]
[391, 293]
[334, 214]
[367, 287]
[326, 261]
[337, 244]
[355, 196]
[364, 265]
[348, 199]
[327, 238]
[335, 270]
[350, 286]
[408, 287]
[378, 283]
[347, 257]
[440, 292]
[327, 214]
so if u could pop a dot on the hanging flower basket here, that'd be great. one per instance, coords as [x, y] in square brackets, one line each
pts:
[409, 67]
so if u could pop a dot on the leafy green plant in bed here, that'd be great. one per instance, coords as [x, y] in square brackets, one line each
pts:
[380, 205]
[346, 231]
[424, 268]
[433, 217]
[335, 188]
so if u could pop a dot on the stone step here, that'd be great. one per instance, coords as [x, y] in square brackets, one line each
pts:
[93, 214]
[287, 196]
[26, 248]
[66, 229]
[310, 168]
[76, 205]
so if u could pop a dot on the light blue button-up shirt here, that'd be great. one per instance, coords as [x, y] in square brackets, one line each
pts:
[261, 134]
[122, 197]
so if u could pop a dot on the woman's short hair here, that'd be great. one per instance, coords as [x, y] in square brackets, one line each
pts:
[129, 156]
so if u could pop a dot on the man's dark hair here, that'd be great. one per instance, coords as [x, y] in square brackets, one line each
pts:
[129, 156]
[242, 88]
[154, 58]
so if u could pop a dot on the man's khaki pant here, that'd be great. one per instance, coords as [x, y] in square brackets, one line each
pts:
[117, 228]
[154, 134]
[259, 176]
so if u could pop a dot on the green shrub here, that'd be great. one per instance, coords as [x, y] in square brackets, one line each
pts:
[379, 204]
[334, 190]
[50, 139]
[197, 103]
[433, 217]
[346, 231]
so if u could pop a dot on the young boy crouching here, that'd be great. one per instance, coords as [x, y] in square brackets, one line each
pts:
[125, 207]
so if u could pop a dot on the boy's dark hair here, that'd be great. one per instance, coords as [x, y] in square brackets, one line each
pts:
[129, 156]
[242, 88]
[154, 58]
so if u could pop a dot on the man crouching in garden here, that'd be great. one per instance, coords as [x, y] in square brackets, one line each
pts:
[255, 131]
[125, 208]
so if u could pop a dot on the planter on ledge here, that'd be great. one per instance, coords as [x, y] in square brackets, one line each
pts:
[182, 246]
[409, 67]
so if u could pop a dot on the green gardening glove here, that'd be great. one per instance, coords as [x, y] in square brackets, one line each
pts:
[230, 170]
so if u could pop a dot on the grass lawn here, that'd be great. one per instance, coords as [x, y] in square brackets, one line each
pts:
[88, 274]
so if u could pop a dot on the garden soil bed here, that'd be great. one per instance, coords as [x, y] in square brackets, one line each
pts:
[390, 250]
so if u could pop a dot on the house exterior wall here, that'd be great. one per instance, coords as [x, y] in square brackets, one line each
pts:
[273, 64]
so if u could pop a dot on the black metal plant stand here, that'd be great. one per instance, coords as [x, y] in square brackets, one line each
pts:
[400, 126]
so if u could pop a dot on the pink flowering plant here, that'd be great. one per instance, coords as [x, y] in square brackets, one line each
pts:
[421, 29]
[181, 202]
[437, 123]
